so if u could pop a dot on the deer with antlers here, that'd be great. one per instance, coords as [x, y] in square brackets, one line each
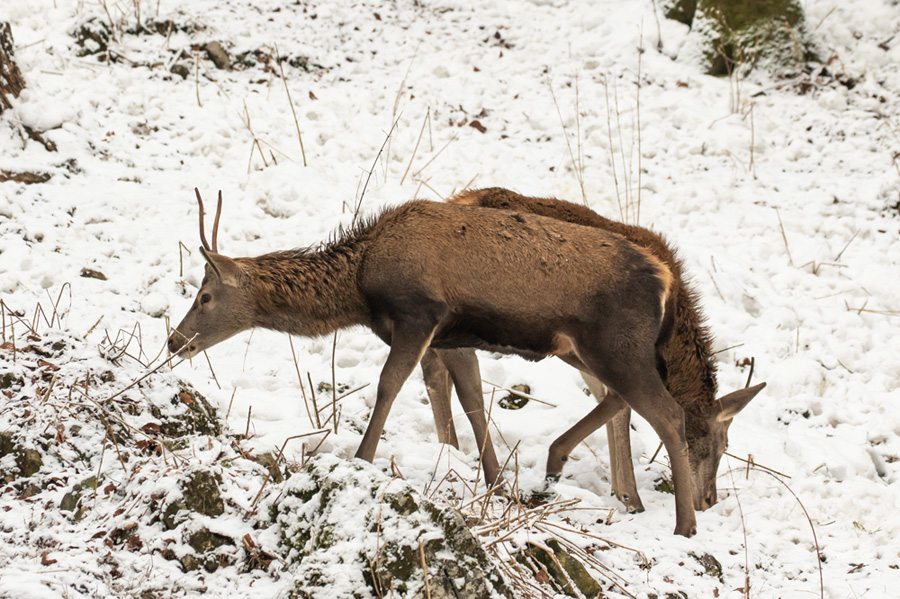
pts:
[433, 275]
[689, 370]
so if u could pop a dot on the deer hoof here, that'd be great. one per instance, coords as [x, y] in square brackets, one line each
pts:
[687, 533]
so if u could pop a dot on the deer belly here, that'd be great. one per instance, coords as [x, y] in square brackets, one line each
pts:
[495, 333]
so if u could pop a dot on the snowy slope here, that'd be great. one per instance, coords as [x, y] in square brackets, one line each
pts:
[784, 211]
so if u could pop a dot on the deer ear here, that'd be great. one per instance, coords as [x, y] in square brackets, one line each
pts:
[734, 402]
[226, 270]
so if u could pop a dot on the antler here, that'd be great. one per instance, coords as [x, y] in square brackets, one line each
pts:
[215, 233]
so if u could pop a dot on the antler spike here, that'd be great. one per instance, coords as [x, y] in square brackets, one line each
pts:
[215, 246]
[202, 234]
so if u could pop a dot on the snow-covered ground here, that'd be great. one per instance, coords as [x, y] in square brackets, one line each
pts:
[783, 205]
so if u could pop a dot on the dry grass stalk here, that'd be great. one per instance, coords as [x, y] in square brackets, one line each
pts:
[291, 103]
[784, 237]
[426, 120]
[334, 399]
[577, 165]
[300, 380]
[387, 153]
[362, 195]
[416, 175]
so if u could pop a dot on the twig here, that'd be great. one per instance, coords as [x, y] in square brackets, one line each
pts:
[812, 528]
[247, 429]
[206, 355]
[525, 395]
[197, 77]
[277, 459]
[424, 570]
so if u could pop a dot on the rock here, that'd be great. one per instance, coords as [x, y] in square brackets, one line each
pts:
[217, 55]
[8, 380]
[710, 564]
[89, 273]
[194, 415]
[515, 401]
[732, 34]
[28, 461]
[71, 501]
[204, 540]
[270, 462]
[349, 512]
[565, 573]
[27, 178]
[200, 494]
[180, 69]
[92, 36]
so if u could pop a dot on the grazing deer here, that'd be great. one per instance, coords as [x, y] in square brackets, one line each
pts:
[427, 274]
[689, 370]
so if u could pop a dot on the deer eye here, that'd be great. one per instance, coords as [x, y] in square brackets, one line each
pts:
[205, 298]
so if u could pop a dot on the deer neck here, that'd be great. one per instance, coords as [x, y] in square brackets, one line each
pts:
[307, 293]
[688, 355]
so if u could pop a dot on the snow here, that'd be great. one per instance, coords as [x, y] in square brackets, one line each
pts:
[785, 216]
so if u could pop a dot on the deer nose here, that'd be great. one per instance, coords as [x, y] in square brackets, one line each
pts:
[708, 501]
[173, 345]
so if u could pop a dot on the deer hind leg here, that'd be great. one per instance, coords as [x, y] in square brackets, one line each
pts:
[621, 462]
[463, 367]
[408, 344]
[618, 434]
[438, 385]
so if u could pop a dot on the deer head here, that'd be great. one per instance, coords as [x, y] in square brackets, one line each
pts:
[706, 450]
[222, 307]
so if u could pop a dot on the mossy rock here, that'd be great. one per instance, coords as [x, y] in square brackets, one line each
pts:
[565, 573]
[204, 541]
[28, 461]
[193, 415]
[10, 381]
[200, 494]
[92, 36]
[351, 513]
[71, 501]
[269, 461]
[515, 400]
[746, 34]
[710, 564]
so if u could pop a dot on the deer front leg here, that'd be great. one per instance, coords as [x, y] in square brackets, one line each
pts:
[463, 367]
[438, 385]
[408, 344]
[650, 399]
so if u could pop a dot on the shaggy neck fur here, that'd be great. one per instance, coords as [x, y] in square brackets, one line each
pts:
[306, 292]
